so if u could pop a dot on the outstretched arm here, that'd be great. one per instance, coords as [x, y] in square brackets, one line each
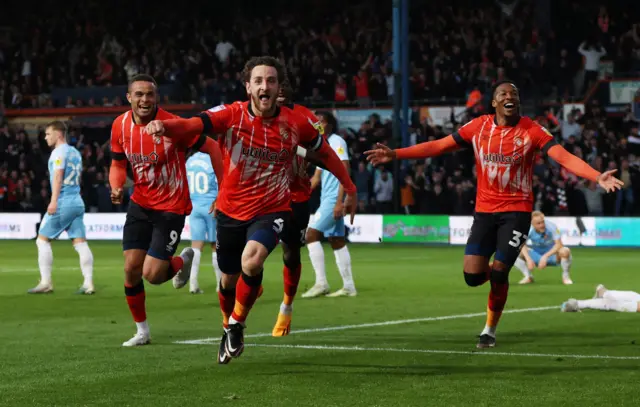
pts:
[177, 127]
[428, 149]
[383, 154]
[580, 168]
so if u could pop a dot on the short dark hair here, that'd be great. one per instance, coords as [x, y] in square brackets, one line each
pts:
[264, 60]
[57, 125]
[142, 77]
[498, 84]
[330, 119]
[287, 90]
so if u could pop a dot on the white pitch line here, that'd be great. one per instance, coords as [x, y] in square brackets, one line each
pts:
[202, 265]
[445, 352]
[372, 324]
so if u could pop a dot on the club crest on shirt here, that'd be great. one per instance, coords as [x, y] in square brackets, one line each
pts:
[157, 139]
[318, 126]
[284, 133]
[517, 141]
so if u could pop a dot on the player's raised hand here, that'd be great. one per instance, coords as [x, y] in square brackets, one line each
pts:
[380, 155]
[608, 182]
[350, 204]
[155, 128]
[116, 196]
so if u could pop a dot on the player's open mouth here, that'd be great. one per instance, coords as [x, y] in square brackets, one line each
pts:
[144, 109]
[509, 105]
[263, 98]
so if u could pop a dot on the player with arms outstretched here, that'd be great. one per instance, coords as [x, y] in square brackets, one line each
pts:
[203, 189]
[65, 212]
[329, 221]
[605, 300]
[160, 200]
[253, 207]
[546, 249]
[505, 145]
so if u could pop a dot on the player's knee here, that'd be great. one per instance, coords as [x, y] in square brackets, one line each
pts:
[291, 257]
[337, 243]
[133, 267]
[564, 253]
[312, 235]
[474, 279]
[253, 259]
[155, 270]
[229, 281]
[499, 276]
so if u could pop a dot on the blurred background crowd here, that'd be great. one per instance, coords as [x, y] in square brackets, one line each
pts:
[337, 56]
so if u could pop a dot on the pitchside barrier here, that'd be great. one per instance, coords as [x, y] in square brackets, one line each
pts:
[432, 229]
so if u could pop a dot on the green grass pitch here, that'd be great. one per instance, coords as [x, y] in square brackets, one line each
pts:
[408, 339]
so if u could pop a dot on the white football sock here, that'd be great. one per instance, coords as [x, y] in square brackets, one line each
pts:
[343, 260]
[86, 262]
[45, 260]
[195, 267]
[566, 265]
[316, 254]
[608, 305]
[489, 330]
[143, 327]
[216, 268]
[522, 266]
[621, 295]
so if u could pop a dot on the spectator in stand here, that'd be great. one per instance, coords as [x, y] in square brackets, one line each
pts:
[592, 51]
[383, 189]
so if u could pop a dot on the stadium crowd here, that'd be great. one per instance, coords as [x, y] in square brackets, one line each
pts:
[339, 56]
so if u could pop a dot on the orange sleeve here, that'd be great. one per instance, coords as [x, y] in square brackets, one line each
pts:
[117, 174]
[117, 152]
[572, 163]
[213, 149]
[217, 120]
[335, 166]
[542, 138]
[118, 168]
[183, 129]
[464, 134]
[310, 133]
[428, 149]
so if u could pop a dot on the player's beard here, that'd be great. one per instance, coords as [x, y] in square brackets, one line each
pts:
[265, 108]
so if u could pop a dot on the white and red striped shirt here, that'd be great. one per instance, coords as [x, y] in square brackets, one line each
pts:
[258, 155]
[504, 161]
[158, 163]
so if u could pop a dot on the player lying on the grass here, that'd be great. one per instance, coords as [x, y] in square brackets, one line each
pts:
[605, 300]
[65, 212]
[260, 140]
[160, 200]
[505, 146]
[545, 250]
[203, 191]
